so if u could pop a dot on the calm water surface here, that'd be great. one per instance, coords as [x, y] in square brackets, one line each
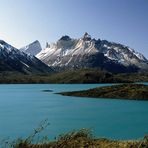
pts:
[23, 107]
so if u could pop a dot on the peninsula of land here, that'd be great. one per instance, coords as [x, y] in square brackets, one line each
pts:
[122, 91]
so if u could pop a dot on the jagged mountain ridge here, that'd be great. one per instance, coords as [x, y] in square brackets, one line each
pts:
[32, 49]
[87, 52]
[11, 59]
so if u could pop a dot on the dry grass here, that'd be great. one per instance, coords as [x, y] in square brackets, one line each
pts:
[83, 139]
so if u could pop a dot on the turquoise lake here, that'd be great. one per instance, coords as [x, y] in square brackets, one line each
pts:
[24, 106]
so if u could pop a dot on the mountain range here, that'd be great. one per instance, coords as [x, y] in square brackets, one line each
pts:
[68, 53]
[85, 52]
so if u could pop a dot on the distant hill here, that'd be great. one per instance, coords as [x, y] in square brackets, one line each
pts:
[80, 76]
[83, 76]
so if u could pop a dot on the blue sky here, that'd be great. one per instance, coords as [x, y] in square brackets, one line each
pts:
[123, 21]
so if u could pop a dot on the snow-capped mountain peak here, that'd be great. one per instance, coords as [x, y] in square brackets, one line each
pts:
[33, 48]
[6, 46]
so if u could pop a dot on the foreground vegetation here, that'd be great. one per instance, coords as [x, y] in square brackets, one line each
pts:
[123, 91]
[79, 139]
[82, 138]
[80, 76]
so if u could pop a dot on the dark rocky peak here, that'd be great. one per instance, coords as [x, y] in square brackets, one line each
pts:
[65, 38]
[47, 45]
[106, 42]
[36, 41]
[98, 43]
[86, 37]
[2, 42]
